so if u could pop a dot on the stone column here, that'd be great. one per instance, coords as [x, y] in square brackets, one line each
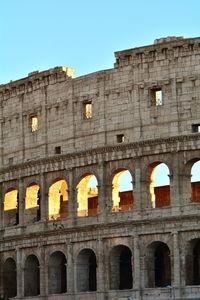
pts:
[1, 205]
[44, 198]
[136, 266]
[176, 263]
[43, 281]
[100, 271]
[70, 269]
[137, 189]
[102, 193]
[19, 273]
[21, 197]
[72, 196]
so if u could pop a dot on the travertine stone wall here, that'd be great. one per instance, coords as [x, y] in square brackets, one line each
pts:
[123, 105]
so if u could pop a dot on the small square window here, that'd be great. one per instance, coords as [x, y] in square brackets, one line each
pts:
[196, 128]
[87, 110]
[58, 150]
[157, 97]
[120, 138]
[34, 123]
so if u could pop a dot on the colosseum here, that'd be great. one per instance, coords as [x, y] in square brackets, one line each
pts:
[100, 181]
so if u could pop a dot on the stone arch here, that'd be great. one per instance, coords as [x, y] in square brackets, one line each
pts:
[58, 199]
[32, 203]
[159, 186]
[87, 195]
[32, 276]
[9, 278]
[11, 207]
[120, 272]
[192, 266]
[122, 190]
[57, 273]
[86, 266]
[158, 263]
[195, 180]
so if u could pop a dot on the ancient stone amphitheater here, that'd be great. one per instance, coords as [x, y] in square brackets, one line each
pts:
[82, 216]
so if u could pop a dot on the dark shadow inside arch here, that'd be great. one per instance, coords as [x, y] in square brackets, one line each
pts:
[32, 276]
[121, 268]
[86, 271]
[158, 265]
[57, 273]
[193, 263]
[9, 278]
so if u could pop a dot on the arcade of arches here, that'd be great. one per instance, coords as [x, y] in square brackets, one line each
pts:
[158, 269]
[122, 195]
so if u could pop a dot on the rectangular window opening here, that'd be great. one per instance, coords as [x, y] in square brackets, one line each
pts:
[58, 150]
[196, 128]
[34, 123]
[87, 110]
[120, 138]
[157, 97]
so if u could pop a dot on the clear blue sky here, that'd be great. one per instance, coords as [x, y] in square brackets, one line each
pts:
[83, 34]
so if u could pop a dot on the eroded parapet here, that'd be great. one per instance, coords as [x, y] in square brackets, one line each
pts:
[34, 81]
[162, 49]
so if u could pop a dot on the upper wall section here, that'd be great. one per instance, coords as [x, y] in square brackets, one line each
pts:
[152, 92]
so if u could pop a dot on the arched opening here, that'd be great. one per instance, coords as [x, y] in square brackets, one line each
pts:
[193, 263]
[86, 271]
[11, 208]
[121, 277]
[87, 196]
[32, 203]
[122, 191]
[58, 200]
[195, 181]
[9, 279]
[32, 276]
[57, 273]
[160, 185]
[158, 265]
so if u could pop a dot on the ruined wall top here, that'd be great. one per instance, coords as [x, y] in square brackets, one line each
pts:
[163, 48]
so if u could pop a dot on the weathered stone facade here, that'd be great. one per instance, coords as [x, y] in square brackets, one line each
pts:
[61, 241]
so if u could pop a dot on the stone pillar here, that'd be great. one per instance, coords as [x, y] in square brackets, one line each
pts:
[43, 281]
[136, 267]
[44, 198]
[137, 189]
[1, 205]
[100, 271]
[19, 273]
[72, 196]
[102, 193]
[70, 269]
[176, 263]
[21, 197]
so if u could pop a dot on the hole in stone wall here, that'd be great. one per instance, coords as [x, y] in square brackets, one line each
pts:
[32, 203]
[9, 279]
[32, 276]
[159, 186]
[158, 265]
[122, 191]
[57, 273]
[121, 268]
[86, 271]
[11, 207]
[195, 182]
[87, 196]
[58, 200]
